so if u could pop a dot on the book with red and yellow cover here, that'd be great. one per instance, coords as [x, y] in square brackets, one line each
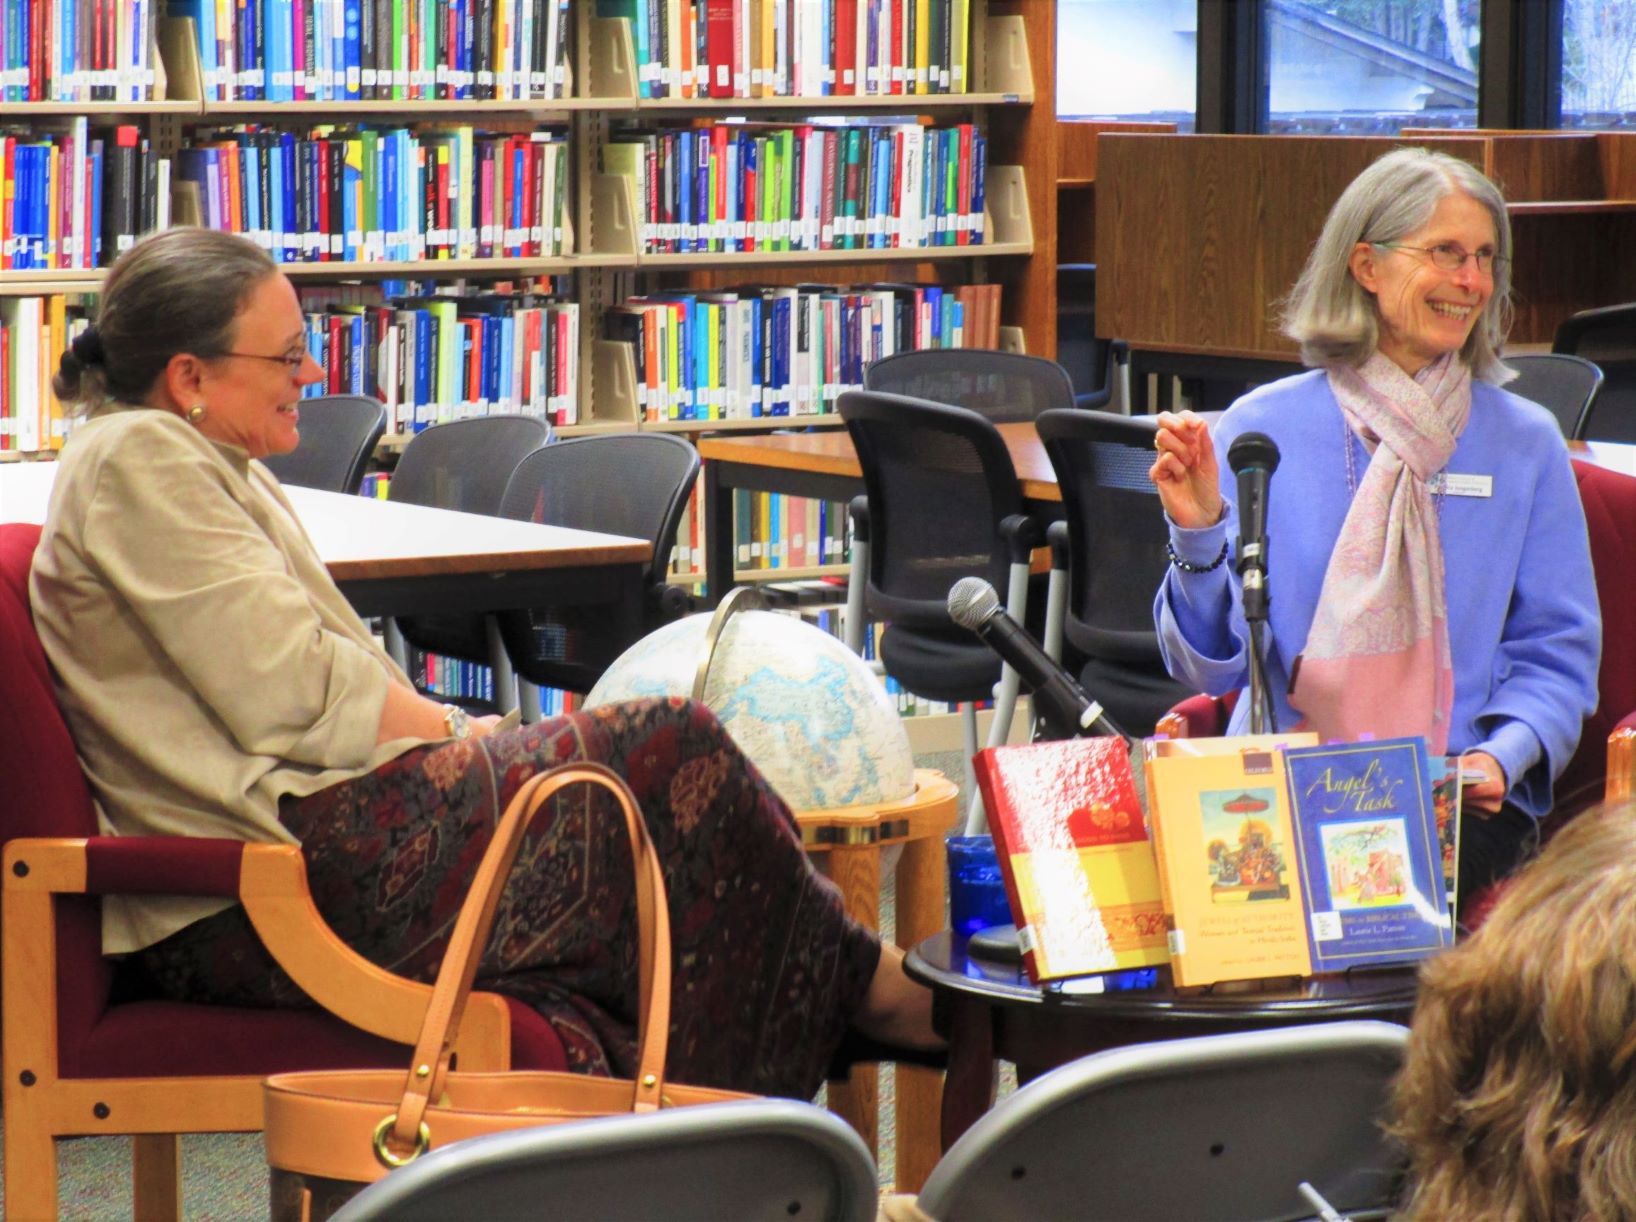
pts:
[1227, 860]
[1074, 850]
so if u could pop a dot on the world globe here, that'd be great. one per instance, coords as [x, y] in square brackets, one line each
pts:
[802, 706]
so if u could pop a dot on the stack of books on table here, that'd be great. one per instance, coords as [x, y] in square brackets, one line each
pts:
[1266, 856]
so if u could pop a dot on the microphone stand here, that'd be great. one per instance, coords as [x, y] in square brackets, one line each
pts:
[1253, 575]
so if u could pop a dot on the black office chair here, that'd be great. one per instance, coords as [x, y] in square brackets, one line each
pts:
[1219, 1128]
[626, 484]
[1567, 386]
[1095, 365]
[1002, 386]
[338, 434]
[942, 502]
[1112, 541]
[1606, 336]
[462, 465]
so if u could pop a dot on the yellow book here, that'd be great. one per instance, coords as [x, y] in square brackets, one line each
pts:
[716, 392]
[52, 430]
[922, 47]
[54, 192]
[1227, 862]
[959, 44]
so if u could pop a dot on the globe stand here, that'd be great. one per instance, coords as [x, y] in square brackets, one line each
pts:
[846, 842]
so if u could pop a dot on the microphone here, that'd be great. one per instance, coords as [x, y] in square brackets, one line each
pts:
[1253, 458]
[1058, 700]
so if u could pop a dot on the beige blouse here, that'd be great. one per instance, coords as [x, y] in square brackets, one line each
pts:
[204, 660]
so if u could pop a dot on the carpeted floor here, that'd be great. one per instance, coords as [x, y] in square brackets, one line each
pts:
[224, 1177]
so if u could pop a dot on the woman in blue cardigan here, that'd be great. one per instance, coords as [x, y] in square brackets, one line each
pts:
[1428, 565]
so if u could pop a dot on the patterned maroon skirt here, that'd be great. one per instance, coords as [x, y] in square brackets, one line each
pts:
[768, 969]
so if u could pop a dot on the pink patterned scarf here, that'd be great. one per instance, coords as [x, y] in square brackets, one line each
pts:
[1377, 658]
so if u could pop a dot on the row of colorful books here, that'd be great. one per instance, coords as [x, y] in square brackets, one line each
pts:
[398, 193]
[78, 199]
[785, 350]
[1260, 856]
[33, 333]
[797, 48]
[347, 50]
[432, 359]
[77, 50]
[731, 186]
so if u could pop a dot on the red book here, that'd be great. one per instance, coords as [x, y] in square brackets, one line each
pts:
[718, 45]
[531, 240]
[846, 47]
[893, 61]
[963, 173]
[490, 202]
[334, 366]
[1074, 850]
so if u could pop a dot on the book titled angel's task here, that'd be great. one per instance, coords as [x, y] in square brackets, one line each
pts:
[1366, 837]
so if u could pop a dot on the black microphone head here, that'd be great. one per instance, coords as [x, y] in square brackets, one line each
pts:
[1252, 450]
[972, 602]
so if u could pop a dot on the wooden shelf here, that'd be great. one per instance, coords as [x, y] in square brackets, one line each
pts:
[903, 254]
[896, 104]
[95, 110]
[1570, 207]
[430, 108]
[433, 268]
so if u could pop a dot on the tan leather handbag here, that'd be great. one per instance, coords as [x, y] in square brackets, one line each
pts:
[331, 1132]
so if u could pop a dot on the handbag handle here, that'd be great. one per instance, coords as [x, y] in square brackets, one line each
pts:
[430, 1067]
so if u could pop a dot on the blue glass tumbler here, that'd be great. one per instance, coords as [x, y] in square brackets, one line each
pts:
[977, 897]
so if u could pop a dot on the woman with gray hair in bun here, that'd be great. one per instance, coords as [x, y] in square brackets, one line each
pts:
[1432, 575]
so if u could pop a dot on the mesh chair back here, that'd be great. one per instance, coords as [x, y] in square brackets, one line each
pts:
[1606, 336]
[1237, 1121]
[631, 484]
[939, 480]
[761, 1158]
[338, 434]
[1116, 535]
[465, 464]
[462, 465]
[1566, 386]
[1003, 386]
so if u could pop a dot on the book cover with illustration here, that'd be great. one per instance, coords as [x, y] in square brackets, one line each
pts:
[1074, 850]
[1371, 866]
[1227, 858]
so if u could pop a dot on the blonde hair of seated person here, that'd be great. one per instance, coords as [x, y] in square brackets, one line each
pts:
[1517, 1098]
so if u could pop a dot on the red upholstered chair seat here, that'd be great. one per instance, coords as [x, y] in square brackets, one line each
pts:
[200, 1066]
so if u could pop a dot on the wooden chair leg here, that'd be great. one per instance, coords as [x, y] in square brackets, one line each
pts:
[856, 871]
[156, 1174]
[31, 1170]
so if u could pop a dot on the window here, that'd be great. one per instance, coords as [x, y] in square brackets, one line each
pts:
[1134, 60]
[1598, 76]
[1373, 67]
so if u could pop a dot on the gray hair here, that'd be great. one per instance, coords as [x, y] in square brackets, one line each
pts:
[1334, 318]
[176, 291]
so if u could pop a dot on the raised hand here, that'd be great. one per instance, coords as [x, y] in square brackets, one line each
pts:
[1185, 471]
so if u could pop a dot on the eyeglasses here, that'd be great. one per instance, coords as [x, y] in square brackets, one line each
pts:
[1449, 257]
[290, 361]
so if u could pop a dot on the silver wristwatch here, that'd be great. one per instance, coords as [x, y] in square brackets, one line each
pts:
[456, 721]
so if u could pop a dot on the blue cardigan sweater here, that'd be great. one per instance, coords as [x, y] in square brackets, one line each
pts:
[1524, 626]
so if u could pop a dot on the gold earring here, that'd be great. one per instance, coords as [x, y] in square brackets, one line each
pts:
[196, 413]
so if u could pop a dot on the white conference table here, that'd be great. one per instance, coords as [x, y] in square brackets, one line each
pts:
[394, 559]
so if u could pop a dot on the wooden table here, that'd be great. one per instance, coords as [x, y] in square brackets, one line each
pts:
[989, 1009]
[390, 558]
[824, 466]
[847, 843]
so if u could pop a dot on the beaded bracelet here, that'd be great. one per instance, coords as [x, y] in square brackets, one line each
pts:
[1187, 566]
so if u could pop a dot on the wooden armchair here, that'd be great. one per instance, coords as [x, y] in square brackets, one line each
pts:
[79, 1056]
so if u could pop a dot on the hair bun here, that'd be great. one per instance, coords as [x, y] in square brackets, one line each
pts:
[87, 347]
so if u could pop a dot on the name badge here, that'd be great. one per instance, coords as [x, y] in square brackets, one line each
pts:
[1451, 483]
